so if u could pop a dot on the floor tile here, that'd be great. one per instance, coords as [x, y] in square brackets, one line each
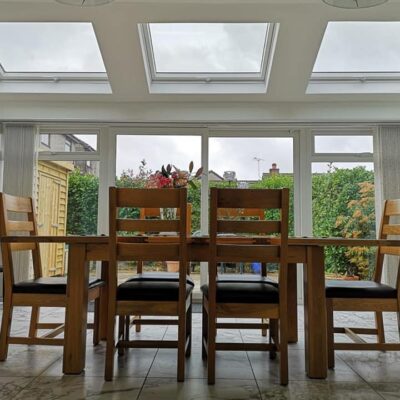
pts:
[317, 390]
[197, 389]
[79, 387]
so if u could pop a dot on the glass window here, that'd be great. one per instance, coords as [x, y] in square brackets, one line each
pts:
[208, 47]
[344, 206]
[366, 46]
[70, 142]
[343, 144]
[45, 139]
[49, 47]
[249, 162]
[68, 146]
[138, 156]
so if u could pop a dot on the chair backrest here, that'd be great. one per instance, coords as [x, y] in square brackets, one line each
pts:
[123, 248]
[262, 199]
[148, 213]
[388, 230]
[228, 213]
[17, 216]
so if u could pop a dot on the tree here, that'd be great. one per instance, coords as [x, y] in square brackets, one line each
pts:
[332, 193]
[83, 192]
[360, 223]
[278, 181]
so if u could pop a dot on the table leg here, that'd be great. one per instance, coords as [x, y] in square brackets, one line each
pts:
[76, 312]
[292, 303]
[315, 329]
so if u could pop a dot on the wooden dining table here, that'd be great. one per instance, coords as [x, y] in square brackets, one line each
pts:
[306, 251]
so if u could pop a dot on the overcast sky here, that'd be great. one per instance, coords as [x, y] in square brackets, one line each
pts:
[69, 47]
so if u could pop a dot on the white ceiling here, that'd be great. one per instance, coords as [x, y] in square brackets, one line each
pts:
[302, 25]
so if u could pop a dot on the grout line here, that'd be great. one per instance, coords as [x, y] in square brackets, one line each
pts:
[251, 367]
[362, 378]
[151, 365]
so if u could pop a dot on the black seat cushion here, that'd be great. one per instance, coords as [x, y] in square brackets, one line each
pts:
[159, 276]
[359, 289]
[52, 285]
[248, 292]
[246, 278]
[151, 290]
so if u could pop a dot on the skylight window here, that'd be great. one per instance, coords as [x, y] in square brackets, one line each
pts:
[360, 47]
[208, 57]
[358, 57]
[51, 57]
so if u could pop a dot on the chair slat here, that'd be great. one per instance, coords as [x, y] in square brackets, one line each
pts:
[240, 212]
[142, 225]
[248, 253]
[392, 207]
[249, 198]
[22, 246]
[148, 251]
[23, 226]
[391, 229]
[160, 198]
[267, 227]
[393, 251]
[17, 204]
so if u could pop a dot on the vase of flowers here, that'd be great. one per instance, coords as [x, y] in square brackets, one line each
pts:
[172, 177]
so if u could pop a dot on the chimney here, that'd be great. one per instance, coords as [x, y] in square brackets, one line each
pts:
[274, 170]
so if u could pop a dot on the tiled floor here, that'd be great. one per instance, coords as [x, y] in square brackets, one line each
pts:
[35, 372]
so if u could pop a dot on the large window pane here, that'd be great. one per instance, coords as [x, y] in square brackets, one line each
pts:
[208, 47]
[138, 156]
[252, 163]
[344, 206]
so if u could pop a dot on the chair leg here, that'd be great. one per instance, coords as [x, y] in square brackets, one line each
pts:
[283, 349]
[127, 327]
[35, 313]
[121, 333]
[181, 343]
[204, 335]
[138, 327]
[330, 333]
[263, 330]
[96, 322]
[5, 328]
[273, 337]
[109, 367]
[211, 350]
[189, 330]
[380, 327]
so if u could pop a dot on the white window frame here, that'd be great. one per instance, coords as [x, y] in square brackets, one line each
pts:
[208, 82]
[353, 82]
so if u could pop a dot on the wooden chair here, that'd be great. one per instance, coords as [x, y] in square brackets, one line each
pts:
[144, 294]
[372, 296]
[242, 213]
[37, 292]
[256, 298]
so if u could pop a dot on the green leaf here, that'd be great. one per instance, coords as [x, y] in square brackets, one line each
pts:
[191, 165]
